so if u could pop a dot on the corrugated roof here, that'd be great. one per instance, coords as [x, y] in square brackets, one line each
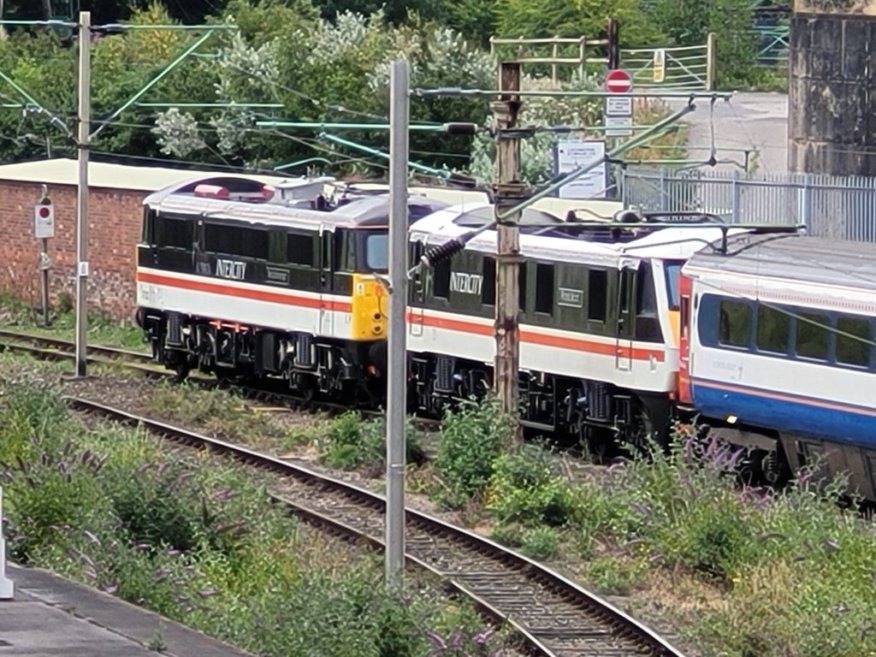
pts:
[64, 171]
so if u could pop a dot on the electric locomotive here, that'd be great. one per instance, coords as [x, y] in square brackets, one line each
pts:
[778, 353]
[242, 279]
[599, 322]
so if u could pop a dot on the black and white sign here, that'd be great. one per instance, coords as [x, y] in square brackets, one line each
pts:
[618, 126]
[571, 154]
[618, 106]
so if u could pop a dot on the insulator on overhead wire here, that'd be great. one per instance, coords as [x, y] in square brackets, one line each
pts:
[442, 252]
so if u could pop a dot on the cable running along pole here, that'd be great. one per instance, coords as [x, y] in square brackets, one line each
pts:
[396, 347]
[84, 123]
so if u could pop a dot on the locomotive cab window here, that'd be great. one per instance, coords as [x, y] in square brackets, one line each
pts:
[673, 273]
[647, 320]
[853, 338]
[813, 335]
[376, 256]
[734, 324]
[147, 234]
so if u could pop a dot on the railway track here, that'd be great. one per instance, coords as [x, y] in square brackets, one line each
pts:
[553, 616]
[56, 348]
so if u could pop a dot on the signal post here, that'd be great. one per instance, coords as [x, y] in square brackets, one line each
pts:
[508, 193]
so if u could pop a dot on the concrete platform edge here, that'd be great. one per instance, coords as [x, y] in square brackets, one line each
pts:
[114, 614]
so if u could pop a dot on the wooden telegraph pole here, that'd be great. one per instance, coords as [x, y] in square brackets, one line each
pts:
[508, 192]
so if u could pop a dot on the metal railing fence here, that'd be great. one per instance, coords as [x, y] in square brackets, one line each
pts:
[838, 207]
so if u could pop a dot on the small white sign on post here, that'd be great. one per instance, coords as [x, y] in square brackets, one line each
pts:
[618, 126]
[618, 106]
[572, 154]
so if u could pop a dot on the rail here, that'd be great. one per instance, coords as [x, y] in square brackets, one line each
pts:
[553, 615]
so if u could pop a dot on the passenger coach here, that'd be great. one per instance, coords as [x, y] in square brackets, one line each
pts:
[779, 353]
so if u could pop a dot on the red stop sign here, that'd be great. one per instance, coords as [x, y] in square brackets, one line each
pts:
[618, 81]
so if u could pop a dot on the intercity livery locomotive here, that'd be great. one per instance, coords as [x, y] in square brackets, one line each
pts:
[778, 353]
[242, 279]
[599, 325]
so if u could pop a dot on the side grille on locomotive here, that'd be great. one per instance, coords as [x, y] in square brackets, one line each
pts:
[304, 350]
[444, 373]
[598, 401]
[174, 331]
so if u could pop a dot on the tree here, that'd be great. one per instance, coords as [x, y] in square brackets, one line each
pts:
[573, 18]
[688, 22]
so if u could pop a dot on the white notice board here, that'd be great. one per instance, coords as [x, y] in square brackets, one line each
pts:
[571, 154]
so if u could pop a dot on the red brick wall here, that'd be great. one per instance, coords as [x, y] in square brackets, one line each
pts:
[113, 232]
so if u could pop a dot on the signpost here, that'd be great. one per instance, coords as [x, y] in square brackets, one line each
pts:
[618, 109]
[43, 229]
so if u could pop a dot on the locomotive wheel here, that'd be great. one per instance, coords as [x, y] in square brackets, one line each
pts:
[640, 435]
[598, 443]
[181, 372]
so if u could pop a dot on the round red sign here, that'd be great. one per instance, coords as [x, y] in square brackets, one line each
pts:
[618, 81]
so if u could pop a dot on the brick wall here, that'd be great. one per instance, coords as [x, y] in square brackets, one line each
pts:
[113, 231]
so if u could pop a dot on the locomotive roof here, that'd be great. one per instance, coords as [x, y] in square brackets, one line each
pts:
[800, 258]
[664, 243]
[367, 211]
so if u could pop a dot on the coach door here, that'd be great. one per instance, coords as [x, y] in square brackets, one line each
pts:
[326, 316]
[623, 352]
[416, 295]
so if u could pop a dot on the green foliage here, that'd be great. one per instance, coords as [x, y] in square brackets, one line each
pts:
[688, 22]
[198, 541]
[352, 442]
[615, 575]
[526, 488]
[547, 18]
[472, 438]
[540, 542]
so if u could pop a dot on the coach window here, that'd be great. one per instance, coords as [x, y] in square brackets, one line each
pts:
[544, 289]
[813, 337]
[488, 288]
[734, 326]
[772, 329]
[853, 341]
[597, 299]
